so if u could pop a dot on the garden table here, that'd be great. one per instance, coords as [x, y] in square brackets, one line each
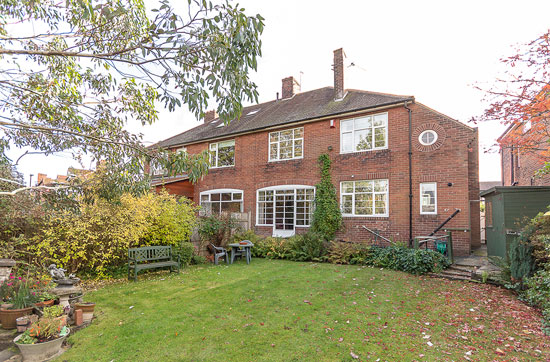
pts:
[238, 249]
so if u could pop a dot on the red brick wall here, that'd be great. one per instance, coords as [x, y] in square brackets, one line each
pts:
[454, 161]
[524, 171]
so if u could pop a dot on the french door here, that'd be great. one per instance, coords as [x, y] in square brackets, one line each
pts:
[284, 213]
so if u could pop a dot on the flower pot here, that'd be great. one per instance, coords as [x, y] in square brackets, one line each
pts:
[87, 310]
[46, 303]
[40, 351]
[8, 317]
[22, 324]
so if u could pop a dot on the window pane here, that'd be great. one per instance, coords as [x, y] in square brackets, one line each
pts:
[237, 196]
[286, 135]
[428, 195]
[310, 194]
[379, 137]
[347, 142]
[274, 137]
[362, 123]
[380, 185]
[233, 206]
[213, 158]
[226, 196]
[226, 154]
[363, 140]
[299, 132]
[215, 197]
[347, 204]
[346, 126]
[380, 120]
[380, 204]
[363, 186]
[298, 148]
[273, 151]
[347, 187]
[204, 198]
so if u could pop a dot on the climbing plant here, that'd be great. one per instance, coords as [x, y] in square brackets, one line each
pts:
[327, 218]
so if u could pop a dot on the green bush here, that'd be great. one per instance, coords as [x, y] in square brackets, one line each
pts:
[348, 253]
[538, 294]
[198, 260]
[184, 252]
[97, 238]
[414, 261]
[216, 229]
[311, 246]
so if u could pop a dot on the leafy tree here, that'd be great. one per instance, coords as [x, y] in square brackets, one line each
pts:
[521, 100]
[327, 217]
[75, 72]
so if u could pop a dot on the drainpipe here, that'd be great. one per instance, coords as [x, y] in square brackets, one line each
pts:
[410, 177]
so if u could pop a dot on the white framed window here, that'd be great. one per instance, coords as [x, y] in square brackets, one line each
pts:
[214, 202]
[428, 137]
[364, 133]
[285, 206]
[364, 198]
[428, 198]
[286, 145]
[222, 154]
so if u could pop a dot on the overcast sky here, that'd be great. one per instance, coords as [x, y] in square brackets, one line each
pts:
[434, 50]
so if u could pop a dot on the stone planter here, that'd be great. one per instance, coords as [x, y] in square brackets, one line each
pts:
[87, 310]
[8, 317]
[40, 351]
[5, 268]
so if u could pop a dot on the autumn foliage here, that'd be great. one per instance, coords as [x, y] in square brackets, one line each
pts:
[521, 99]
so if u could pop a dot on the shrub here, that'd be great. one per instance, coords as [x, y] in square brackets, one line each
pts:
[308, 247]
[538, 294]
[97, 239]
[348, 253]
[414, 261]
[327, 217]
[246, 235]
[216, 229]
[185, 252]
[198, 259]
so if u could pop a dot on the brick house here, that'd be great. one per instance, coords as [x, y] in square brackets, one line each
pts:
[523, 151]
[266, 163]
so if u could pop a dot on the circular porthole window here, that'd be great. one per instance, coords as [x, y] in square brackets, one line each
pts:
[427, 138]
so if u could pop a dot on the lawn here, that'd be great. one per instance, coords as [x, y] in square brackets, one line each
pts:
[273, 310]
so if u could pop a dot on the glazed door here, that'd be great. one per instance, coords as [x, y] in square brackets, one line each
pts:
[284, 213]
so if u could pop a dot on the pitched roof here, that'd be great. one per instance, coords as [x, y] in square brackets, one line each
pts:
[301, 107]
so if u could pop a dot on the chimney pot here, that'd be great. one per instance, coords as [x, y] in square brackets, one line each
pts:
[338, 68]
[290, 87]
[210, 116]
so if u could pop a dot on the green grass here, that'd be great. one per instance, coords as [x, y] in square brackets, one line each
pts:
[273, 310]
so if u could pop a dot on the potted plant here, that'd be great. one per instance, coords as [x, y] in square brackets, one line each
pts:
[43, 339]
[21, 299]
[45, 299]
[87, 310]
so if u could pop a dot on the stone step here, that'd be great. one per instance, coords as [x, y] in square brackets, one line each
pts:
[451, 277]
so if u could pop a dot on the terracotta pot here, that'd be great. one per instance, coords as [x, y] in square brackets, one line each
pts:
[87, 310]
[46, 303]
[8, 317]
[40, 351]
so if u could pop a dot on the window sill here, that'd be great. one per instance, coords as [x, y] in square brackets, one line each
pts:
[366, 216]
[363, 151]
[428, 213]
[220, 167]
[287, 159]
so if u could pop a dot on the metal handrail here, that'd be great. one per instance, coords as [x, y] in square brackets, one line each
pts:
[377, 235]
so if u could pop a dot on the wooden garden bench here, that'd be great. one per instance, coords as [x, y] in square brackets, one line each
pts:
[151, 257]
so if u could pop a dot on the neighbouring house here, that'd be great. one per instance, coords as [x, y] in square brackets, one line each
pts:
[400, 168]
[524, 150]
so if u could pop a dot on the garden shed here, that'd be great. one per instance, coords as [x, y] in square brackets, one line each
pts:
[506, 210]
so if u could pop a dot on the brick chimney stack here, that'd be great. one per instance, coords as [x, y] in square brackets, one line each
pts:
[290, 87]
[338, 68]
[210, 116]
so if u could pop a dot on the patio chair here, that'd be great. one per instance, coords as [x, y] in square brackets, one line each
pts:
[219, 252]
